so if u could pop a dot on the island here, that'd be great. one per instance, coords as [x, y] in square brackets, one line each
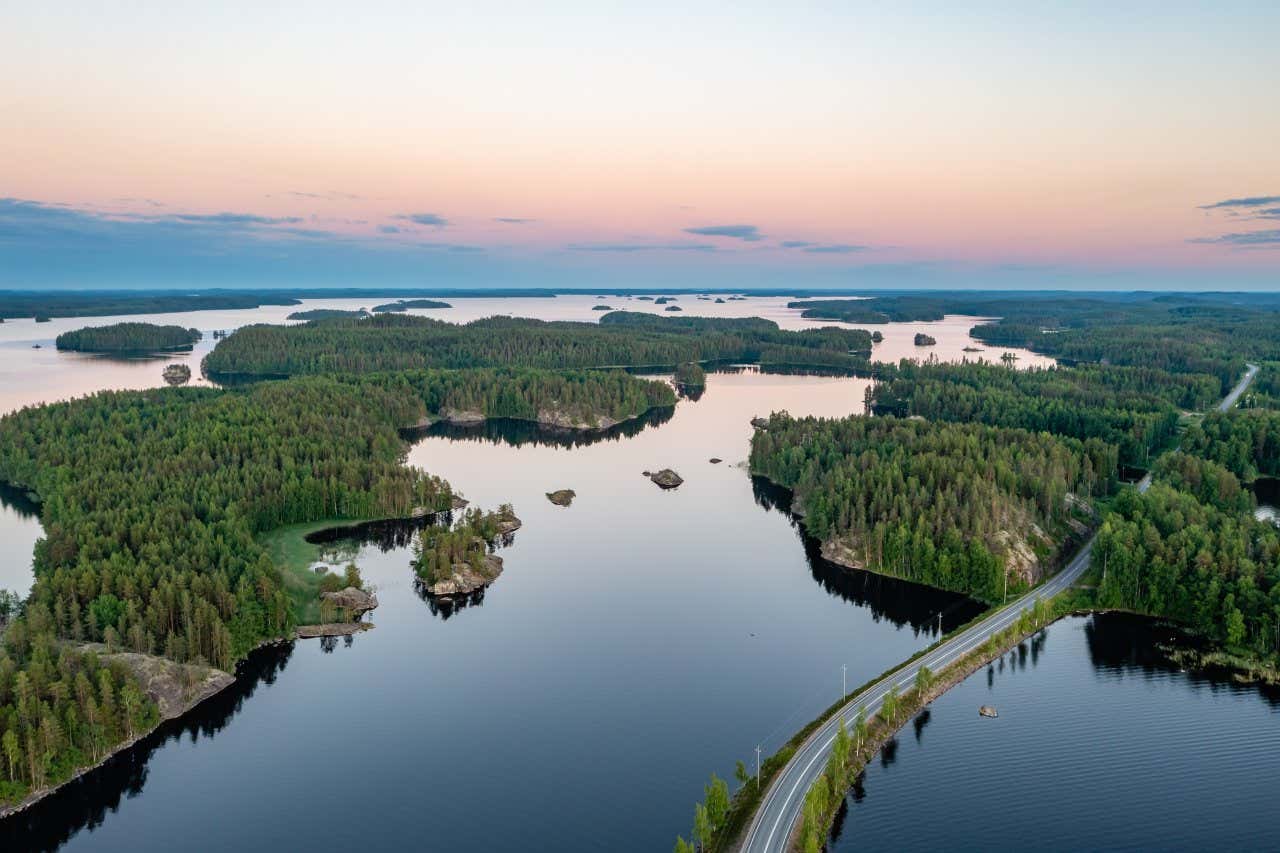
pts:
[128, 338]
[406, 304]
[176, 374]
[457, 560]
[326, 314]
[690, 377]
[923, 340]
[562, 497]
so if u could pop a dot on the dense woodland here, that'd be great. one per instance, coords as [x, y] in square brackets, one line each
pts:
[1247, 442]
[942, 504]
[1135, 409]
[60, 709]
[152, 502]
[128, 338]
[621, 339]
[1202, 562]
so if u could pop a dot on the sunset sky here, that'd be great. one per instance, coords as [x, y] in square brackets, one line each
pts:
[1103, 145]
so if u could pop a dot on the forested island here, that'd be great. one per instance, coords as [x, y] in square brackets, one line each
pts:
[406, 304]
[124, 338]
[970, 508]
[620, 339]
[458, 559]
[154, 546]
[326, 314]
[690, 377]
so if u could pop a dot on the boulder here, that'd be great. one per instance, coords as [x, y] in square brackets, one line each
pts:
[508, 524]
[715, 460]
[987, 711]
[759, 422]
[354, 601]
[562, 497]
[666, 478]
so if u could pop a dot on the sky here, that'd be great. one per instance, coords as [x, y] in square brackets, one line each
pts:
[841, 145]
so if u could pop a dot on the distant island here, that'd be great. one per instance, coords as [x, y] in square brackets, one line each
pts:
[923, 340]
[406, 304]
[326, 314]
[128, 338]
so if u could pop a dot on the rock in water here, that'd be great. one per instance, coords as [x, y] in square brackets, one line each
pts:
[666, 478]
[988, 711]
[716, 460]
[562, 497]
[354, 601]
[465, 579]
[177, 374]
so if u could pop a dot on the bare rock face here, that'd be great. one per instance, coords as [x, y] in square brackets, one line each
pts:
[354, 601]
[462, 417]
[562, 497]
[174, 687]
[759, 423]
[563, 420]
[666, 478]
[332, 629]
[988, 711]
[465, 579]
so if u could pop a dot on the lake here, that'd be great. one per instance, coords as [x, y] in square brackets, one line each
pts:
[1099, 745]
[637, 640]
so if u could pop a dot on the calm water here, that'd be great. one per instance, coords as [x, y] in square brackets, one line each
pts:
[1099, 746]
[637, 640]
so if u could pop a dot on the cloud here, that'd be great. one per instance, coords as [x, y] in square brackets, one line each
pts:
[641, 247]
[795, 244]
[331, 195]
[746, 233]
[837, 249]
[1243, 238]
[388, 229]
[513, 220]
[1269, 213]
[1248, 201]
[433, 219]
[234, 220]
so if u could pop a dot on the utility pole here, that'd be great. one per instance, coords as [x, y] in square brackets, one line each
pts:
[757, 767]
[844, 680]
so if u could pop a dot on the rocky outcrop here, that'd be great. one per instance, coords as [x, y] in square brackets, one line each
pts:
[759, 422]
[462, 417]
[715, 460]
[465, 578]
[332, 629]
[508, 523]
[666, 478]
[175, 687]
[177, 374]
[841, 553]
[354, 601]
[562, 497]
[988, 711]
[564, 420]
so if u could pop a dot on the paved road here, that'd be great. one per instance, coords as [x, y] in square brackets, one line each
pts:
[780, 809]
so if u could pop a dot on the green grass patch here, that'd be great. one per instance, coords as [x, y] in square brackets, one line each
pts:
[289, 549]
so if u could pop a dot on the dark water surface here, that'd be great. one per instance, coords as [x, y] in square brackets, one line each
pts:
[1099, 745]
[637, 640]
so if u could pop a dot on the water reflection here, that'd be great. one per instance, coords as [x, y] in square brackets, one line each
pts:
[518, 433]
[85, 803]
[19, 501]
